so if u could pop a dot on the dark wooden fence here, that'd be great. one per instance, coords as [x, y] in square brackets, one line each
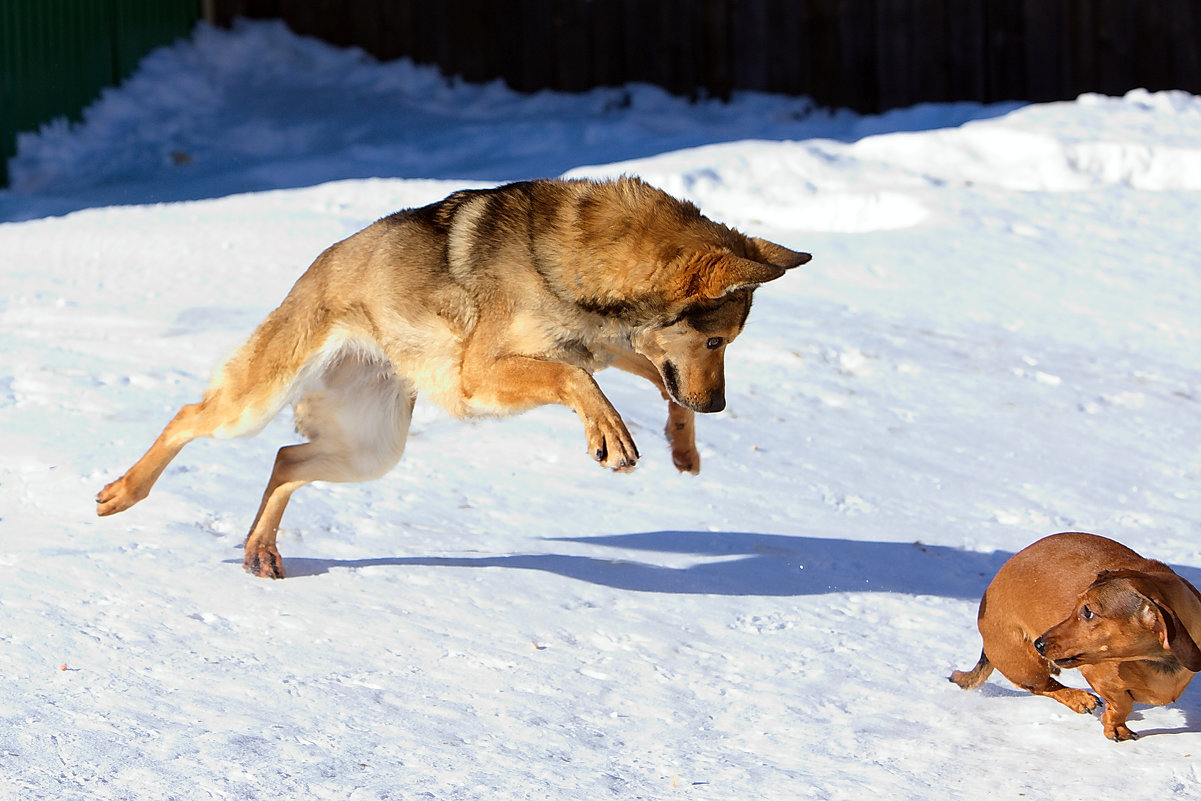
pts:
[868, 55]
[56, 57]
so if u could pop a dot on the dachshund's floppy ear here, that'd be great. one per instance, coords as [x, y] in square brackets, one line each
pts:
[1159, 616]
[1173, 636]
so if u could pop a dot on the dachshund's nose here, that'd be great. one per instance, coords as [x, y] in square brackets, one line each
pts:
[1040, 645]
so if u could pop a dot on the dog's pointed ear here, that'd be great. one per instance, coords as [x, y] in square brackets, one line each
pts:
[780, 256]
[730, 273]
[715, 273]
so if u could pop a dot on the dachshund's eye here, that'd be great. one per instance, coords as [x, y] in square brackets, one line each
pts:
[713, 343]
[1086, 613]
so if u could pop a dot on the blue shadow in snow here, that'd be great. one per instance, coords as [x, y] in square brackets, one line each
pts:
[735, 563]
[352, 139]
[738, 563]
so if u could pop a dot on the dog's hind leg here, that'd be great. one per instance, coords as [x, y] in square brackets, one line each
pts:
[222, 413]
[247, 392]
[681, 423]
[135, 484]
[356, 419]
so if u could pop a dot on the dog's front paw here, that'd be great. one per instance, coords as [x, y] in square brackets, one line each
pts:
[1081, 701]
[264, 562]
[1120, 733]
[610, 443]
[681, 435]
[686, 460]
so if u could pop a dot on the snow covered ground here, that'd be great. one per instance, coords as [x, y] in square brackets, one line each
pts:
[998, 338]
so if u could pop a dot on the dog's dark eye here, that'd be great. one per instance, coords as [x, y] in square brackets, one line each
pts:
[1086, 613]
[713, 343]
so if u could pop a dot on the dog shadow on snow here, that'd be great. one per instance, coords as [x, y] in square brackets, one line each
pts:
[728, 563]
[734, 563]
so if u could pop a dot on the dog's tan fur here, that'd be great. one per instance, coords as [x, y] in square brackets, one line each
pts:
[489, 302]
[1078, 600]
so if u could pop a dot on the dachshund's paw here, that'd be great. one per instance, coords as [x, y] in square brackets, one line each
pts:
[1080, 701]
[1120, 733]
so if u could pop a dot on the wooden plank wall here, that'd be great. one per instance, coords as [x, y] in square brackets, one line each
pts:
[868, 55]
[56, 57]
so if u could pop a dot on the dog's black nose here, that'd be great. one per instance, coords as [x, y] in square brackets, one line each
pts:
[1040, 645]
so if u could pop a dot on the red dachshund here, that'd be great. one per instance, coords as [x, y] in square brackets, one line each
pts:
[1075, 600]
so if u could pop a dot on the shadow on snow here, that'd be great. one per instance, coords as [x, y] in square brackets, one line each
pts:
[731, 563]
[736, 563]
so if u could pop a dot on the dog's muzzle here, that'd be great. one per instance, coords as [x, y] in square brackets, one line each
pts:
[1040, 645]
[671, 380]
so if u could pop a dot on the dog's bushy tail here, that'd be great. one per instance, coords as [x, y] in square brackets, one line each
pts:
[971, 679]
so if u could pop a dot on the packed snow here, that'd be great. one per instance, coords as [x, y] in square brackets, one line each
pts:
[998, 338]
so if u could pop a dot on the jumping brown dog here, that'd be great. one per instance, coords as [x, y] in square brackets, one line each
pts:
[1131, 625]
[490, 302]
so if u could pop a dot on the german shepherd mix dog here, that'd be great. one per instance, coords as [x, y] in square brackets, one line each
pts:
[491, 302]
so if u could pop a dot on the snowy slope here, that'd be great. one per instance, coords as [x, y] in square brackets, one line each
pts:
[998, 339]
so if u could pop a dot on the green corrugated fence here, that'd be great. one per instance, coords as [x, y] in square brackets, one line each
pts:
[57, 55]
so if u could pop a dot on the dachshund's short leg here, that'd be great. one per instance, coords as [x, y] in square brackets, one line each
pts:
[1107, 680]
[1117, 709]
[1080, 701]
